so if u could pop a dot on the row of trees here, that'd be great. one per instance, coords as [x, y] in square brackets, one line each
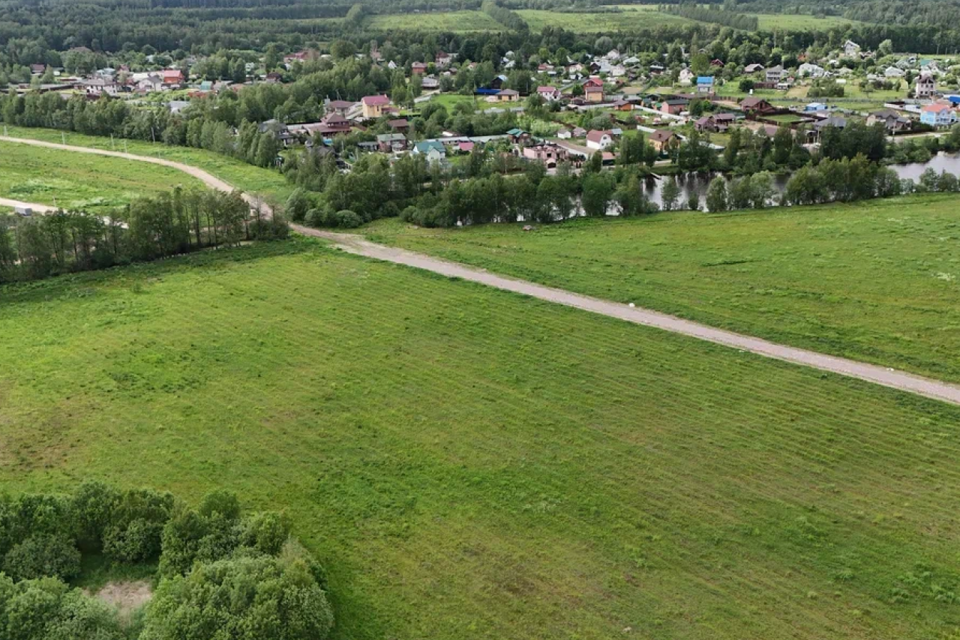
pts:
[149, 228]
[222, 573]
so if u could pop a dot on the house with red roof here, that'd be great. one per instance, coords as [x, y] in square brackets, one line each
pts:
[172, 77]
[549, 94]
[599, 140]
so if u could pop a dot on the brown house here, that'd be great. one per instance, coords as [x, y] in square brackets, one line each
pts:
[663, 141]
[757, 106]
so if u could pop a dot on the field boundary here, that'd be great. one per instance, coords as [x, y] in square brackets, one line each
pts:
[887, 377]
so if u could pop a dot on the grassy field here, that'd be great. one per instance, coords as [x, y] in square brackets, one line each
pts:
[451, 100]
[875, 281]
[266, 182]
[79, 181]
[631, 18]
[473, 464]
[454, 21]
[791, 22]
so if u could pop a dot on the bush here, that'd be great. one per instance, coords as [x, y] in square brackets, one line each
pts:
[347, 219]
[315, 217]
[43, 555]
[47, 609]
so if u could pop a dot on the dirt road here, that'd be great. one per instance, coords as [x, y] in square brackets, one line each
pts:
[39, 208]
[354, 244]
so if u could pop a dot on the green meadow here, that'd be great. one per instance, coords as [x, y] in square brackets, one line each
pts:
[80, 181]
[255, 180]
[469, 463]
[875, 281]
[452, 21]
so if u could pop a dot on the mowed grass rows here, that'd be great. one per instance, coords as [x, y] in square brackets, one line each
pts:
[81, 181]
[875, 281]
[473, 464]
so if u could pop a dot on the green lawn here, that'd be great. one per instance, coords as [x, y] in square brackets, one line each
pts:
[80, 181]
[875, 281]
[451, 100]
[468, 463]
[266, 182]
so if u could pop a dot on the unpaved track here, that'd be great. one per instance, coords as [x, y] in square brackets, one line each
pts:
[39, 208]
[354, 244]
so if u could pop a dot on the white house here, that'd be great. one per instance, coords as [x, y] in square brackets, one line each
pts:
[599, 140]
[851, 49]
[548, 93]
[807, 70]
[926, 86]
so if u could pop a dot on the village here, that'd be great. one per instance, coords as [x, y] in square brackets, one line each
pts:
[567, 112]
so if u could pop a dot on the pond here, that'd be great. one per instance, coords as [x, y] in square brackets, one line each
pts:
[698, 183]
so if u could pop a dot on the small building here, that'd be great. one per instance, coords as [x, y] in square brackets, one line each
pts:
[400, 125]
[549, 94]
[892, 121]
[938, 114]
[391, 142]
[429, 83]
[926, 86]
[518, 136]
[599, 140]
[508, 95]
[663, 141]
[564, 134]
[774, 75]
[547, 153]
[593, 93]
[705, 84]
[756, 67]
[373, 106]
[808, 70]
[340, 107]
[579, 132]
[433, 150]
[756, 106]
[274, 77]
[717, 122]
[172, 77]
[851, 49]
[418, 68]
[686, 77]
[674, 106]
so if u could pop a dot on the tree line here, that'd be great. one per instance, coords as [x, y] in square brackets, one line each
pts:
[149, 228]
[222, 572]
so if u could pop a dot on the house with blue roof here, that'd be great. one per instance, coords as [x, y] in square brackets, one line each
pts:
[705, 84]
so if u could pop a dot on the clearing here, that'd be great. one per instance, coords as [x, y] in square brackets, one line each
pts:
[471, 463]
[74, 181]
[873, 281]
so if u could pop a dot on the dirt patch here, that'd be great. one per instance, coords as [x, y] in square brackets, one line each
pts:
[127, 597]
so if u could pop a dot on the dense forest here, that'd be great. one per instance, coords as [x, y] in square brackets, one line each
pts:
[204, 26]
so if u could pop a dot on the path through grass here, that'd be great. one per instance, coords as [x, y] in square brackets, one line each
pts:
[874, 281]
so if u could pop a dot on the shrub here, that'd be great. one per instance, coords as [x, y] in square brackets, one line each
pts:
[43, 555]
[347, 219]
[47, 609]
